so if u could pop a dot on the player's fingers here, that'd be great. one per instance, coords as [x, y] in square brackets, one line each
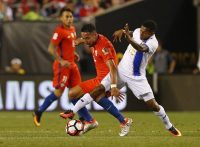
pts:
[114, 38]
[126, 26]
[119, 100]
[121, 97]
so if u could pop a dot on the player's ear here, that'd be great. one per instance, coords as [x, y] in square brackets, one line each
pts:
[151, 33]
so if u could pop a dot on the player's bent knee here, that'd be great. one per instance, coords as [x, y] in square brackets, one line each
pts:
[152, 104]
[98, 91]
[58, 93]
[75, 92]
[71, 94]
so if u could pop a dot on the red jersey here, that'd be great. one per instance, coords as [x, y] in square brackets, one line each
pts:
[64, 39]
[102, 51]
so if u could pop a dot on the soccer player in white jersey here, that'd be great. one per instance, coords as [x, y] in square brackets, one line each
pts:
[131, 71]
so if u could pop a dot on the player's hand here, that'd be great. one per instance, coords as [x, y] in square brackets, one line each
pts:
[115, 92]
[117, 35]
[79, 41]
[126, 27]
[65, 63]
[127, 32]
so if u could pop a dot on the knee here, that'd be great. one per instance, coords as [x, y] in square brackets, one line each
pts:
[152, 104]
[156, 108]
[97, 92]
[75, 92]
[71, 94]
[58, 93]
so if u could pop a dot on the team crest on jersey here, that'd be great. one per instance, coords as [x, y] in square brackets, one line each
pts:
[105, 51]
[55, 36]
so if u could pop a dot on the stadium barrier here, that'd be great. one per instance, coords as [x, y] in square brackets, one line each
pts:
[175, 92]
[28, 92]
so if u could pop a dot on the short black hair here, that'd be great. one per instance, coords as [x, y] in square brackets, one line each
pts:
[65, 9]
[151, 25]
[89, 27]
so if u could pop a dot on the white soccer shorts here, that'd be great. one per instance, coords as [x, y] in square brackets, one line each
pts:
[140, 87]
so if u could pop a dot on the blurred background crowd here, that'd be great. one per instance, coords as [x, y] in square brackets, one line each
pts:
[48, 9]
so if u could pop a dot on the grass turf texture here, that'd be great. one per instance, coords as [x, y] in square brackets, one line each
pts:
[17, 130]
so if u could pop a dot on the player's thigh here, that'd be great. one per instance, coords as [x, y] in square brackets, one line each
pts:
[75, 92]
[140, 88]
[89, 85]
[74, 77]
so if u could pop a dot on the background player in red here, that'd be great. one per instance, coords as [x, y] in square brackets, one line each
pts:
[105, 59]
[66, 72]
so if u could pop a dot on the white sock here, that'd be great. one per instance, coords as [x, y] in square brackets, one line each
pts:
[163, 116]
[86, 99]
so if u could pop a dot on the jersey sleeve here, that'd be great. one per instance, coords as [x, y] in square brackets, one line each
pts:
[136, 33]
[57, 37]
[106, 52]
[152, 45]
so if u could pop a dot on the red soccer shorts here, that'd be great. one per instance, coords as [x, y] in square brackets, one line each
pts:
[65, 77]
[89, 85]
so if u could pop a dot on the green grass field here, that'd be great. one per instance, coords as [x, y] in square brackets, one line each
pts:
[17, 129]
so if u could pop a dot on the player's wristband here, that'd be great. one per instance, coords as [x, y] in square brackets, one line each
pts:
[113, 85]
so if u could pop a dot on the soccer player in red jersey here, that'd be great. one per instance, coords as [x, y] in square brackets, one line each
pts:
[105, 60]
[66, 72]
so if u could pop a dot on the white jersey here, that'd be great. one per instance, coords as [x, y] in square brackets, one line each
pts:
[133, 63]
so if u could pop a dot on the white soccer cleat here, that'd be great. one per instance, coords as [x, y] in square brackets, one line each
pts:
[90, 125]
[125, 128]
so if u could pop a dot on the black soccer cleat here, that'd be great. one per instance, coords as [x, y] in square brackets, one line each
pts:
[174, 131]
[67, 114]
[36, 118]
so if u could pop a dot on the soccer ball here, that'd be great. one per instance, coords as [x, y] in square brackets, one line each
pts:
[74, 127]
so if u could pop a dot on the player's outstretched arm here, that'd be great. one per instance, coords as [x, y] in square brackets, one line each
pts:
[139, 47]
[117, 35]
